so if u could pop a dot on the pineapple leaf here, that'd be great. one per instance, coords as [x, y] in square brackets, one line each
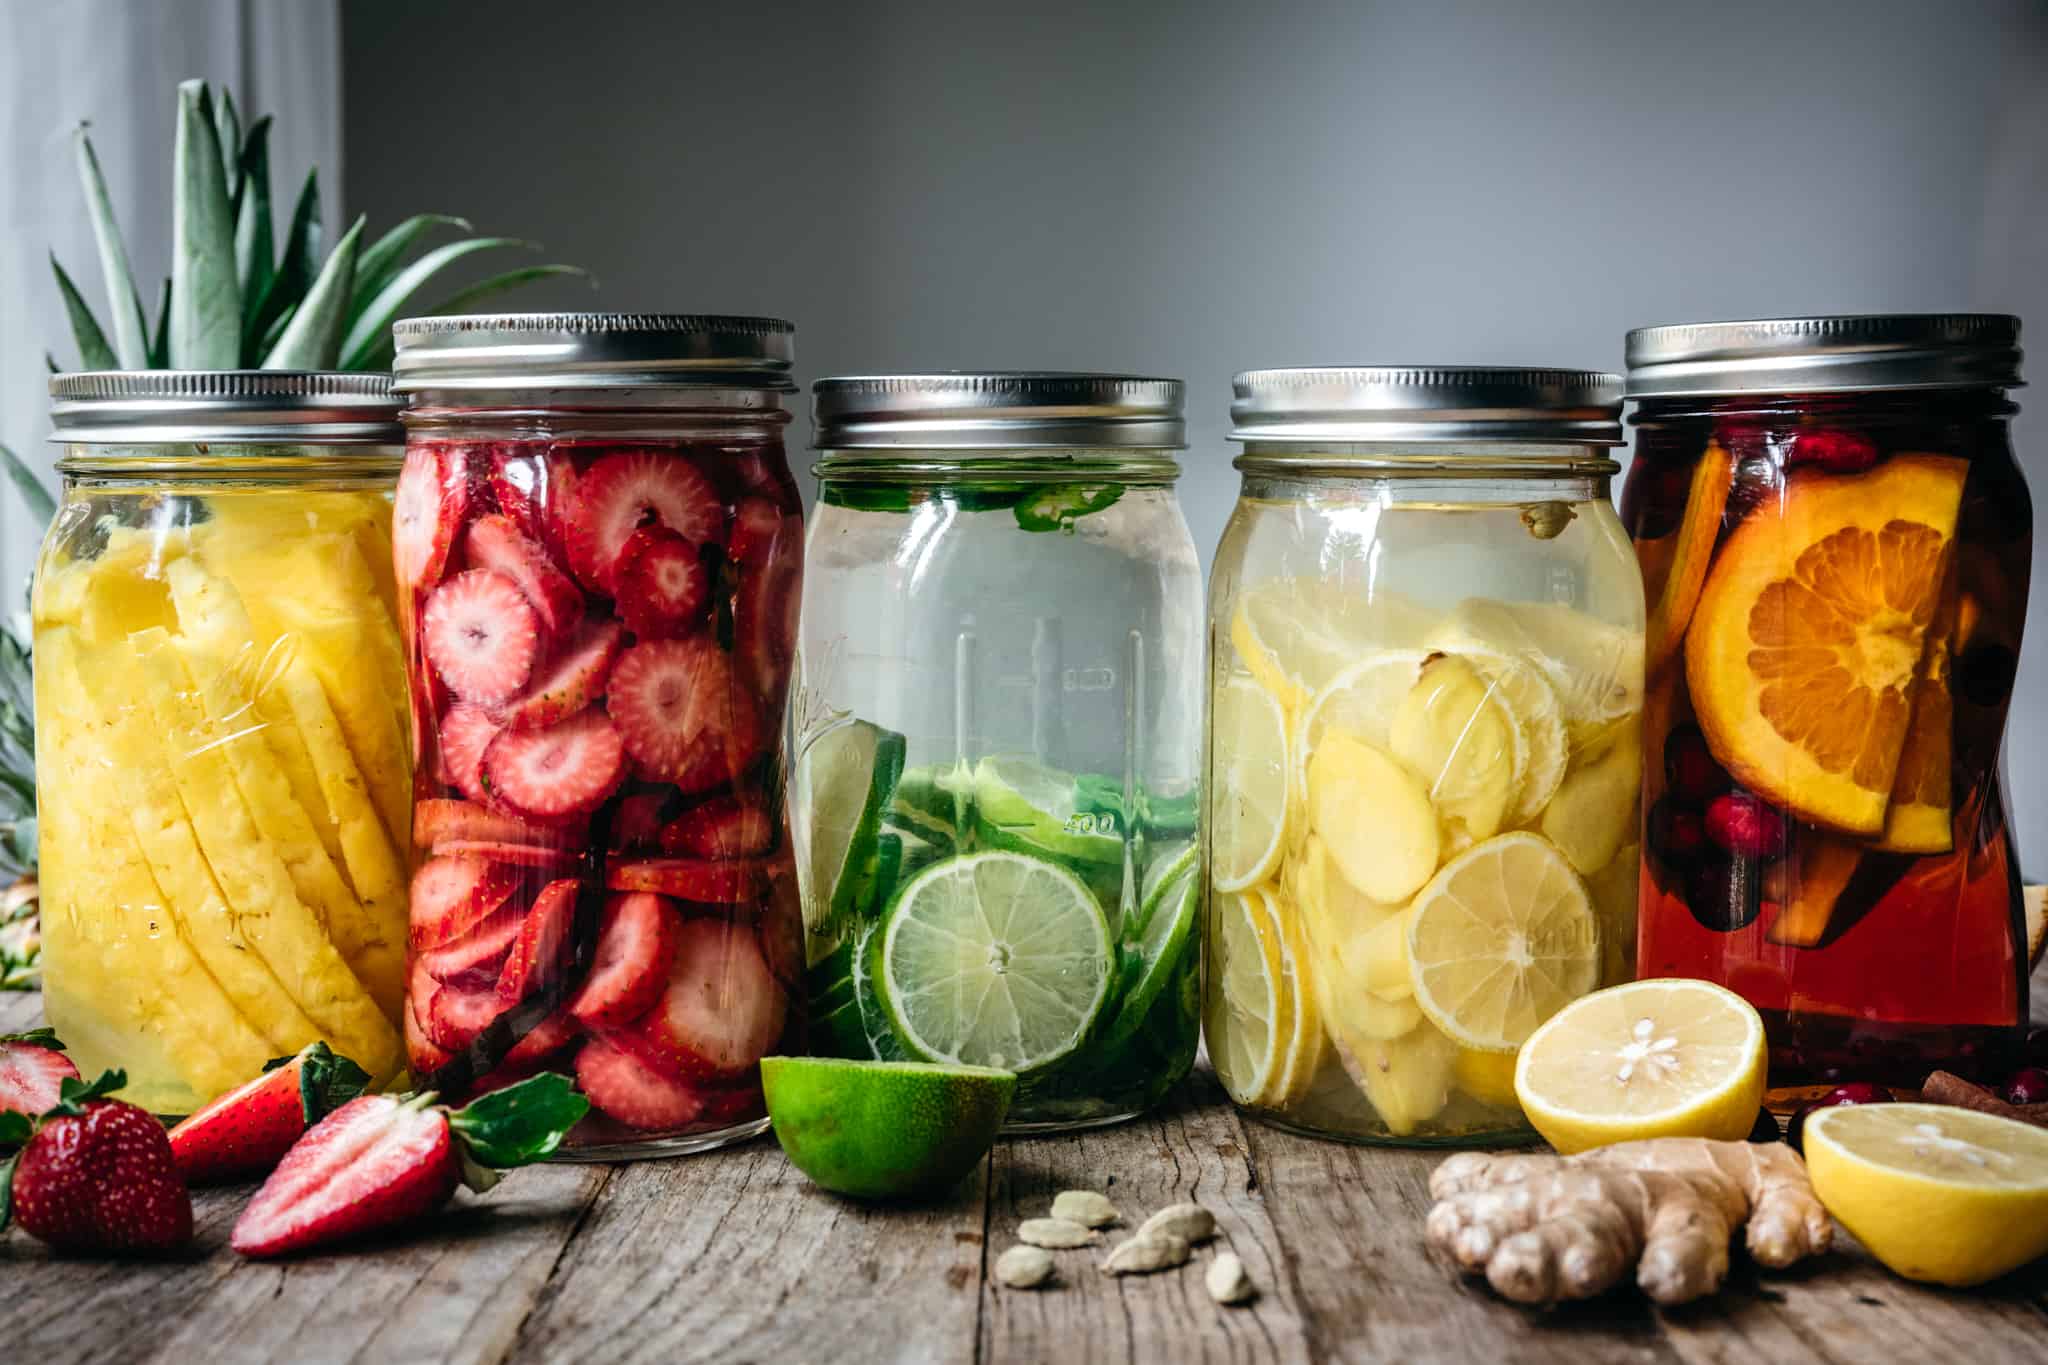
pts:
[131, 333]
[206, 300]
[160, 343]
[93, 351]
[51, 361]
[255, 252]
[40, 504]
[384, 256]
[379, 356]
[313, 340]
[227, 126]
[296, 267]
[374, 322]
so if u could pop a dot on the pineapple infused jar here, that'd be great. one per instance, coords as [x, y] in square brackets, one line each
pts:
[225, 777]
[1426, 693]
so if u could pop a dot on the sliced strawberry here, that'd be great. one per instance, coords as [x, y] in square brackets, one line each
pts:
[519, 855]
[635, 948]
[727, 1104]
[722, 1009]
[764, 623]
[723, 827]
[545, 1039]
[496, 543]
[781, 927]
[756, 526]
[625, 490]
[705, 881]
[563, 770]
[375, 1161]
[481, 636]
[423, 1054]
[477, 956]
[632, 1092]
[427, 702]
[522, 484]
[764, 475]
[466, 731]
[433, 496]
[572, 680]
[459, 1013]
[248, 1130]
[537, 954]
[32, 1073]
[436, 821]
[452, 895]
[682, 714]
[636, 823]
[662, 584]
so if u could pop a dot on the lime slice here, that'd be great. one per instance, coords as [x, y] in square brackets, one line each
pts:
[844, 778]
[1057, 508]
[1248, 812]
[928, 802]
[1158, 881]
[1162, 940]
[877, 1033]
[1159, 814]
[1035, 807]
[994, 959]
[884, 1130]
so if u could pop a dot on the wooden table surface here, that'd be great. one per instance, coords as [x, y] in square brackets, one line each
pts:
[733, 1256]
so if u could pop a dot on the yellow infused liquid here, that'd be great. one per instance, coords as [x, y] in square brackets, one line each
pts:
[1453, 850]
[224, 774]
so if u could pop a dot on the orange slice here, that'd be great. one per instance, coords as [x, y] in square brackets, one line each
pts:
[1804, 645]
[1672, 574]
[1920, 819]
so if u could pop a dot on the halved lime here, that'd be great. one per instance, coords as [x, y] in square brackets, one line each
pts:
[994, 959]
[884, 1130]
[844, 777]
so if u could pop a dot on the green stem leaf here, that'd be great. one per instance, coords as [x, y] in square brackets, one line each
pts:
[379, 356]
[227, 126]
[255, 250]
[521, 1123]
[206, 298]
[296, 266]
[384, 256]
[40, 504]
[160, 341]
[93, 351]
[374, 322]
[313, 340]
[131, 333]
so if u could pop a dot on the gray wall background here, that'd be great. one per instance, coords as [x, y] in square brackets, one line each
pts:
[1196, 189]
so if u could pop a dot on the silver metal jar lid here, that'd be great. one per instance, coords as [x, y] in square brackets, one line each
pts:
[593, 351]
[997, 410]
[224, 407]
[1426, 404]
[1825, 355]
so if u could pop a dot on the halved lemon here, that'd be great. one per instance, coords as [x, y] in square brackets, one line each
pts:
[1500, 939]
[1937, 1193]
[1244, 1010]
[1659, 1058]
[1803, 649]
[1248, 809]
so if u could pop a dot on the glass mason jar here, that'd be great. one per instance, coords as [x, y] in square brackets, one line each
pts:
[1424, 727]
[223, 777]
[1836, 542]
[599, 551]
[998, 735]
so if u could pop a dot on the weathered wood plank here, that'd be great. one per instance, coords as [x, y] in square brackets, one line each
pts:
[735, 1256]
[1192, 1149]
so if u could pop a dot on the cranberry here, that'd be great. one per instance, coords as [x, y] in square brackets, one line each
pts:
[1856, 1092]
[1756, 485]
[1724, 896]
[2028, 1085]
[1677, 835]
[1834, 450]
[1765, 1129]
[1689, 767]
[1744, 437]
[1745, 826]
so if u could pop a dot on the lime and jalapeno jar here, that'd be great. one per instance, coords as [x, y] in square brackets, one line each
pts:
[998, 735]
[599, 556]
[224, 783]
[1835, 539]
[1426, 689]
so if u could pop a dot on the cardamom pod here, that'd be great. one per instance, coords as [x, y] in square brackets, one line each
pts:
[1143, 1255]
[1024, 1267]
[1085, 1207]
[1191, 1221]
[1058, 1234]
[1227, 1281]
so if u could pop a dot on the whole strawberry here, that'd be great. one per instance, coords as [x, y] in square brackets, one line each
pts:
[95, 1174]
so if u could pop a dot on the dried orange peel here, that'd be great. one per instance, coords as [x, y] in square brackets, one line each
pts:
[1674, 572]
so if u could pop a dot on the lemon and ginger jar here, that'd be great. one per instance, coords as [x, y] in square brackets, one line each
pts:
[1426, 690]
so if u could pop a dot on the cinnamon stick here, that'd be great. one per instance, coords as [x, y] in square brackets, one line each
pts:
[1945, 1087]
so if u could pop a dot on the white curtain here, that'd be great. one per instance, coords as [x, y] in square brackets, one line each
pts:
[116, 65]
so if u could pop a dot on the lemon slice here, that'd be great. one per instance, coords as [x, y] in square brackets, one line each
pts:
[1463, 741]
[1243, 1008]
[1248, 811]
[1658, 1058]
[1936, 1193]
[1500, 939]
[1543, 747]
[1296, 634]
[1594, 667]
[1301, 1052]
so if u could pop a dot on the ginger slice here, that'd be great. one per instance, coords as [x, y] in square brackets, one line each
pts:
[1546, 1228]
[1692, 549]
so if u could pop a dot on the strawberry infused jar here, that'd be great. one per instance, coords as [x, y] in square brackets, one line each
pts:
[1835, 542]
[599, 553]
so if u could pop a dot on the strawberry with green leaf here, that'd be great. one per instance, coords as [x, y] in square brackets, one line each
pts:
[94, 1174]
[33, 1069]
[247, 1131]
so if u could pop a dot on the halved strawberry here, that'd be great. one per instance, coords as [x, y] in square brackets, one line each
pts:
[731, 881]
[573, 679]
[459, 1013]
[563, 770]
[33, 1070]
[625, 490]
[422, 1053]
[682, 715]
[466, 731]
[662, 584]
[545, 1039]
[438, 820]
[722, 1009]
[756, 526]
[764, 624]
[477, 956]
[635, 948]
[537, 953]
[723, 827]
[248, 1130]
[433, 496]
[520, 855]
[636, 822]
[481, 636]
[632, 1092]
[496, 543]
[452, 895]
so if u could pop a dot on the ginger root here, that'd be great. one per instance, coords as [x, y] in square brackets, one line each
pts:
[1545, 1228]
